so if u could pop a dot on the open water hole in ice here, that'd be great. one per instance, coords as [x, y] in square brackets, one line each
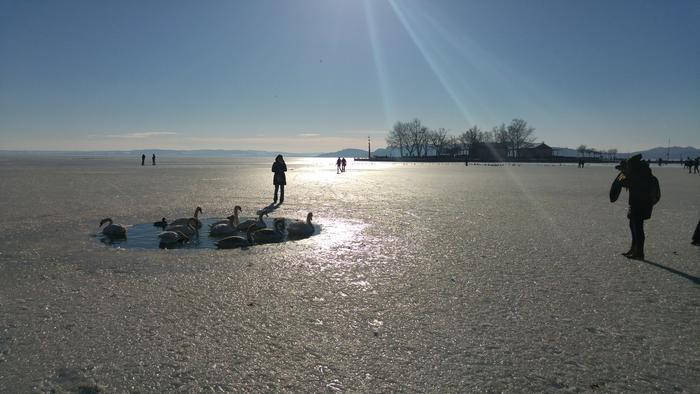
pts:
[145, 236]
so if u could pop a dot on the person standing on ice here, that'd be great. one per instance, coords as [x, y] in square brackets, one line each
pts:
[143, 159]
[338, 163]
[279, 167]
[635, 176]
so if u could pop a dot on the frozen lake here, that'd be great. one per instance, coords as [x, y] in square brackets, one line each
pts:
[425, 277]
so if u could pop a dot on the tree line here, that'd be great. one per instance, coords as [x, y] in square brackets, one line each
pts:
[414, 139]
[584, 151]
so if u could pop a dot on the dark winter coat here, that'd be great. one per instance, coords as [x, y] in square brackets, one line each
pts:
[643, 194]
[279, 170]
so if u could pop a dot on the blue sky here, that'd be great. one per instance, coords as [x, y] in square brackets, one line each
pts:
[311, 76]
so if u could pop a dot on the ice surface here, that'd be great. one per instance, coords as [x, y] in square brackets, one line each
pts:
[426, 277]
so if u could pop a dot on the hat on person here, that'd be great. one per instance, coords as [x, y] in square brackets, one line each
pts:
[635, 161]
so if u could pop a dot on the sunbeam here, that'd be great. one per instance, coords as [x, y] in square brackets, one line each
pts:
[390, 114]
[442, 70]
[440, 74]
[492, 69]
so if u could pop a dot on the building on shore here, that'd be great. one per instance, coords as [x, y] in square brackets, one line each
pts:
[537, 152]
[488, 151]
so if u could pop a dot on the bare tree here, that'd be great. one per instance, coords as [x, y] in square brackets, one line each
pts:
[453, 146]
[416, 137]
[500, 135]
[463, 143]
[438, 140]
[520, 135]
[581, 150]
[471, 137]
[593, 152]
[398, 137]
[413, 139]
[425, 140]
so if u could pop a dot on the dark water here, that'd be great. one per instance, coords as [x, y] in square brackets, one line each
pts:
[145, 236]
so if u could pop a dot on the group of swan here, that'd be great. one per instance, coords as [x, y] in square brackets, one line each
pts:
[256, 232]
[186, 221]
[300, 228]
[254, 235]
[232, 224]
[113, 230]
[179, 233]
[179, 230]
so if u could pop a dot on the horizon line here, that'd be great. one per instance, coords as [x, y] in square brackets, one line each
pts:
[271, 151]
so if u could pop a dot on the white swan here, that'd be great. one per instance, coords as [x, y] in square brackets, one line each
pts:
[113, 230]
[236, 241]
[268, 235]
[236, 221]
[227, 228]
[189, 229]
[183, 221]
[172, 237]
[257, 224]
[300, 228]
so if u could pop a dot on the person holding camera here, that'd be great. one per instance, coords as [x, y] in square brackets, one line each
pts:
[644, 192]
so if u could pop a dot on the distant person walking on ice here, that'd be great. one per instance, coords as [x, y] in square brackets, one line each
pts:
[143, 159]
[338, 163]
[279, 167]
[635, 175]
[344, 163]
[153, 158]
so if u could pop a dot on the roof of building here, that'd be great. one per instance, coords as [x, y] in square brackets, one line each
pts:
[540, 146]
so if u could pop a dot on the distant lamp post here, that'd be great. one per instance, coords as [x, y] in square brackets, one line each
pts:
[369, 148]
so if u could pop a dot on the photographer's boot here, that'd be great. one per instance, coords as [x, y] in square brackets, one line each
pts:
[638, 254]
[630, 252]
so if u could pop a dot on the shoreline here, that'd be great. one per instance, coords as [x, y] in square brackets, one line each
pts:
[560, 160]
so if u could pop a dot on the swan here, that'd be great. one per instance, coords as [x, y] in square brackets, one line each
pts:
[189, 230]
[300, 228]
[183, 221]
[258, 224]
[236, 241]
[236, 222]
[227, 228]
[162, 223]
[172, 237]
[113, 230]
[268, 235]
